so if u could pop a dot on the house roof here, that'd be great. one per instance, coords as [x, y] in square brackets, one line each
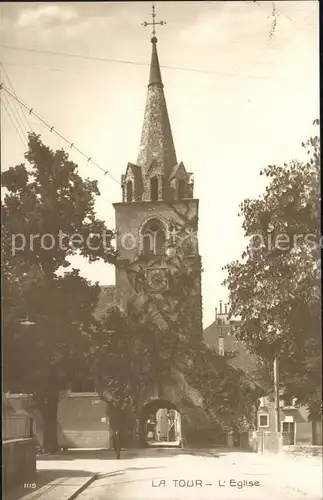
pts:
[107, 300]
[244, 360]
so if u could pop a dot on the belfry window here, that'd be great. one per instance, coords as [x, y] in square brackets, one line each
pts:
[163, 188]
[129, 191]
[181, 188]
[154, 189]
[153, 238]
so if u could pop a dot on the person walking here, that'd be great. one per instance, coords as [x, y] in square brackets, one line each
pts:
[117, 443]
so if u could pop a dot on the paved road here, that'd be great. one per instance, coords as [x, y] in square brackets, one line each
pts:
[227, 475]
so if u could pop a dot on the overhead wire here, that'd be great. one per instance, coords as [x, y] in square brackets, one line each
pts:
[19, 108]
[124, 61]
[14, 115]
[52, 129]
[48, 68]
[15, 118]
[12, 121]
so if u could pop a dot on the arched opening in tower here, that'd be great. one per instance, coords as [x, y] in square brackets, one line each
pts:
[154, 189]
[161, 424]
[129, 191]
[153, 238]
[160, 242]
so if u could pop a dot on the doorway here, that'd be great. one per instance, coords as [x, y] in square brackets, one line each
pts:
[289, 430]
[161, 424]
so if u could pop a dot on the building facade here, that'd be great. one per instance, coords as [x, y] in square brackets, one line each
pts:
[295, 424]
[156, 222]
[158, 210]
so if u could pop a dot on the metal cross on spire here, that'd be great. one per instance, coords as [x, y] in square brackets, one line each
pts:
[154, 23]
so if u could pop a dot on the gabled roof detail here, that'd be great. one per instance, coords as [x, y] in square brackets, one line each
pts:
[244, 360]
[135, 169]
[177, 169]
[134, 172]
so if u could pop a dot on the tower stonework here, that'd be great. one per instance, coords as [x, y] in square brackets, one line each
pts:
[158, 267]
[158, 210]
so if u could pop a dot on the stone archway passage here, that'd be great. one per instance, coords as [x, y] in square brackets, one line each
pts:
[160, 424]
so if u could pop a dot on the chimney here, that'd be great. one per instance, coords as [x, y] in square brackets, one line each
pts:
[220, 306]
[221, 345]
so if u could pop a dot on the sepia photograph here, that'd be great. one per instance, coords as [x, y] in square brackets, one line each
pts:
[161, 250]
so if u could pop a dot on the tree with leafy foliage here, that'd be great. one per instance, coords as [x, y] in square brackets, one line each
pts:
[120, 367]
[48, 216]
[157, 347]
[275, 288]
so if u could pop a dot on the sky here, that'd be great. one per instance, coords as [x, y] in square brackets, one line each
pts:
[239, 97]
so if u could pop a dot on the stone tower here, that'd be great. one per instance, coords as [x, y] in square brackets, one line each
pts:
[158, 268]
[158, 214]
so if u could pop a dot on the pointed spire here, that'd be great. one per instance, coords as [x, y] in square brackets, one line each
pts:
[156, 138]
[155, 75]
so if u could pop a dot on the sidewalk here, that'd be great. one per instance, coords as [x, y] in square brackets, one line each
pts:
[65, 475]
[51, 487]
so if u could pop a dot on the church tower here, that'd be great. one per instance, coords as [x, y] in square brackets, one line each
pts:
[158, 215]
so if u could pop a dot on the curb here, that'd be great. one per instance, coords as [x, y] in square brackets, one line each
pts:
[84, 486]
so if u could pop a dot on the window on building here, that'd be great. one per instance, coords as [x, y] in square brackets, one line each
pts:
[154, 189]
[129, 191]
[288, 426]
[181, 188]
[153, 238]
[263, 421]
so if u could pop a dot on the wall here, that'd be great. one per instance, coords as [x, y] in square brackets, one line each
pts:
[22, 405]
[269, 442]
[318, 428]
[129, 220]
[303, 451]
[82, 419]
[303, 428]
[19, 461]
[83, 422]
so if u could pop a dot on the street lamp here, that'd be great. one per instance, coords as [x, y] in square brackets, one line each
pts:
[26, 322]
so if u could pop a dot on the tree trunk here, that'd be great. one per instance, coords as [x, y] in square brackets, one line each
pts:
[48, 410]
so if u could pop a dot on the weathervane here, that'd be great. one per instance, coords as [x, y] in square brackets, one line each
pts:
[154, 23]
